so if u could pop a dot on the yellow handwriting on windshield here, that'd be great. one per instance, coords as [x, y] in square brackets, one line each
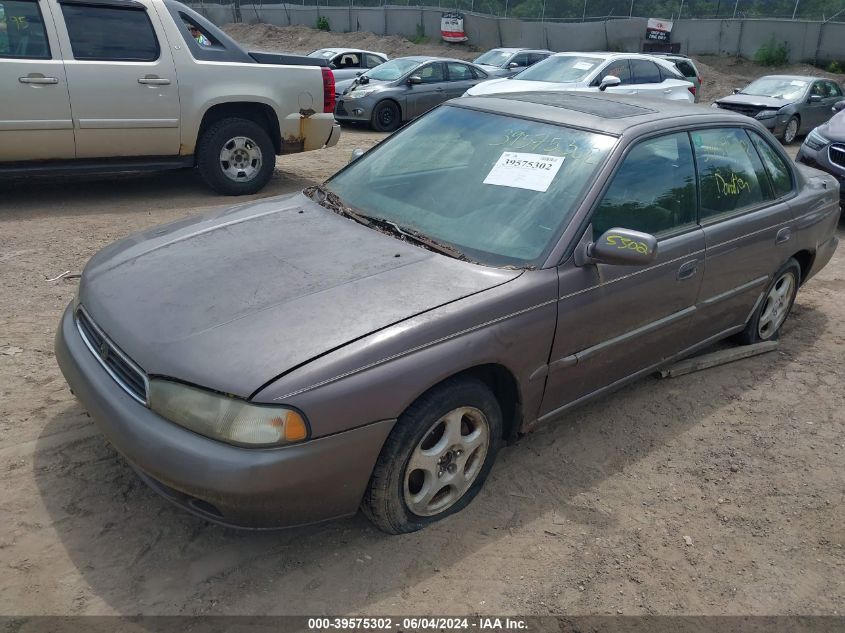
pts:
[732, 186]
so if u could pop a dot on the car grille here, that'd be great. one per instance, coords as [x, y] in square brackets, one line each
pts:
[125, 373]
[836, 153]
[747, 110]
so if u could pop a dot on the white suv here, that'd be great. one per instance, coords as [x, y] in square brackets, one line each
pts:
[620, 73]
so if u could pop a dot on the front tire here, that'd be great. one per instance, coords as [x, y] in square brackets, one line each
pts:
[386, 117]
[771, 314]
[790, 132]
[236, 157]
[436, 458]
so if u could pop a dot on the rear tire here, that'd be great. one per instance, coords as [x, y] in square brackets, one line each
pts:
[386, 117]
[236, 157]
[436, 458]
[770, 315]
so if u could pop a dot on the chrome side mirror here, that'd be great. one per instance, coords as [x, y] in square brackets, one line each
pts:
[609, 81]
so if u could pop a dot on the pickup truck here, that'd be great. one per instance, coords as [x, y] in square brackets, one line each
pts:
[128, 85]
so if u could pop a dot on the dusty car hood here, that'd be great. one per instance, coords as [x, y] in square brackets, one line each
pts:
[232, 300]
[768, 102]
[342, 86]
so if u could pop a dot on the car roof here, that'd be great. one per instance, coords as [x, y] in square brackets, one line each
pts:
[605, 54]
[339, 50]
[793, 77]
[432, 58]
[601, 112]
[510, 49]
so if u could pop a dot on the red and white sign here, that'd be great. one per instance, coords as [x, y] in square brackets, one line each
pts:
[658, 29]
[452, 27]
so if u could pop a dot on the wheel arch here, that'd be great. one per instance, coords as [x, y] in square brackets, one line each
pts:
[260, 113]
[504, 387]
[805, 260]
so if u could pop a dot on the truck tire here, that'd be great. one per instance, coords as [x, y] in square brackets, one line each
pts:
[236, 157]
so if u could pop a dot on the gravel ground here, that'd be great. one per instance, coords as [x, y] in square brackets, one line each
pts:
[715, 493]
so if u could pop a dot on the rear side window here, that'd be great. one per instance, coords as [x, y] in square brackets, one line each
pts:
[371, 61]
[653, 191]
[110, 34]
[778, 170]
[686, 68]
[730, 175]
[645, 72]
[458, 72]
[22, 33]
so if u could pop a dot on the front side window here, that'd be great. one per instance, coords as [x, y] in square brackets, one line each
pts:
[498, 188]
[22, 33]
[730, 175]
[619, 68]
[778, 170]
[653, 191]
[431, 73]
[533, 58]
[110, 34]
[521, 59]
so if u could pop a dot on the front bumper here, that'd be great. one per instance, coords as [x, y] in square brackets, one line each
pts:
[353, 110]
[820, 159]
[317, 480]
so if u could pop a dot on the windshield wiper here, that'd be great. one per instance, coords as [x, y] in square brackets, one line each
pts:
[332, 202]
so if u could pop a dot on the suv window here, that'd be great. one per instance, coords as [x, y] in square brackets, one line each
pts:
[730, 174]
[645, 72]
[686, 68]
[372, 61]
[110, 34]
[618, 68]
[653, 190]
[458, 72]
[779, 172]
[22, 33]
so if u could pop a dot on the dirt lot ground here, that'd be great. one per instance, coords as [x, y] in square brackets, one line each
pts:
[716, 493]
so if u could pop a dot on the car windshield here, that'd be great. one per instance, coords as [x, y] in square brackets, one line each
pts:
[323, 52]
[392, 70]
[498, 189]
[560, 69]
[493, 58]
[778, 87]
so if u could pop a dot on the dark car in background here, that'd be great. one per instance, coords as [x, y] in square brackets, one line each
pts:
[788, 105]
[504, 62]
[373, 342]
[824, 147]
[402, 89]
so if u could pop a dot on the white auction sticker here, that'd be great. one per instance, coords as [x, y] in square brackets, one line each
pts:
[525, 171]
[582, 65]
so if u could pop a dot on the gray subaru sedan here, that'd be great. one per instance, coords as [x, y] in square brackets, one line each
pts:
[372, 342]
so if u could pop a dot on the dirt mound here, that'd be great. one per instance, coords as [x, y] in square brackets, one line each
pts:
[302, 40]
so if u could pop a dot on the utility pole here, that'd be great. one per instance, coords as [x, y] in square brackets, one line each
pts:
[735, 6]
[795, 10]
[584, 14]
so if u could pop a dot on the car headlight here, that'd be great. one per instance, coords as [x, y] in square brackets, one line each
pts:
[359, 94]
[226, 418]
[815, 140]
[765, 114]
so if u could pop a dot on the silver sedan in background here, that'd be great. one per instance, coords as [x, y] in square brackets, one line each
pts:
[402, 89]
[348, 63]
[504, 62]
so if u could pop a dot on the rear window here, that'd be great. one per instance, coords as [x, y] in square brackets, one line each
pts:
[110, 34]
[645, 72]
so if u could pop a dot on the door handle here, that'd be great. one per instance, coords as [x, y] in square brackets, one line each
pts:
[154, 81]
[38, 79]
[667, 91]
[783, 235]
[688, 269]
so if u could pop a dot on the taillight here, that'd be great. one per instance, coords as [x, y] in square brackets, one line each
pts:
[692, 90]
[328, 89]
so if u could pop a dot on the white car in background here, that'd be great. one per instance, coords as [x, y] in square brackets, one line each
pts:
[619, 73]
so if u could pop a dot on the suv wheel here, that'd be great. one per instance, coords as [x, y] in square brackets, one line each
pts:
[235, 157]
